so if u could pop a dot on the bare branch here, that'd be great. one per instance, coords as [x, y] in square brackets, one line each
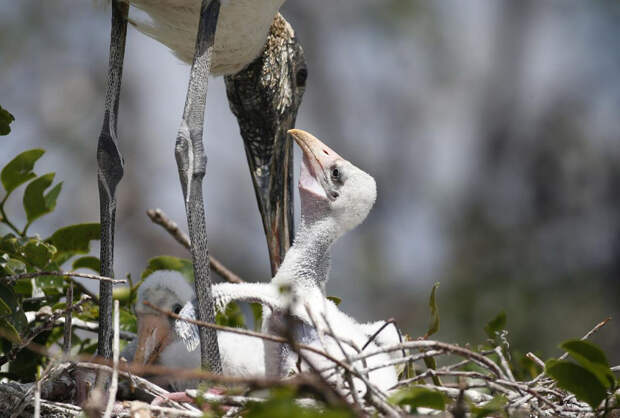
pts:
[46, 326]
[65, 274]
[160, 218]
[66, 343]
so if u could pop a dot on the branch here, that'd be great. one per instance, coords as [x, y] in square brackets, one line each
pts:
[160, 218]
[65, 274]
[47, 325]
[246, 332]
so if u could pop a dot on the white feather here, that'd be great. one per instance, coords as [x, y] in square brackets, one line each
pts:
[240, 36]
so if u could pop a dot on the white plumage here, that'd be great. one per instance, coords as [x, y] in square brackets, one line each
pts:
[240, 36]
[336, 196]
[158, 341]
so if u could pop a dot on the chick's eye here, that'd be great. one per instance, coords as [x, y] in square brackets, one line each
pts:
[335, 173]
[176, 308]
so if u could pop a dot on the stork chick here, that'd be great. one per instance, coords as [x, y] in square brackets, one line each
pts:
[336, 196]
[161, 339]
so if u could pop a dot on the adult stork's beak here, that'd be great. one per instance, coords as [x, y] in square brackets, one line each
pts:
[153, 336]
[265, 97]
[316, 163]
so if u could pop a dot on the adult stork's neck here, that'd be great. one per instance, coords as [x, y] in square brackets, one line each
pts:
[307, 262]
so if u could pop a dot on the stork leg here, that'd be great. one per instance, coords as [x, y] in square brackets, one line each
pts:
[192, 162]
[110, 172]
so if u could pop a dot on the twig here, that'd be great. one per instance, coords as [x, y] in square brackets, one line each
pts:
[246, 332]
[590, 333]
[563, 356]
[10, 356]
[242, 400]
[504, 363]
[65, 274]
[160, 218]
[437, 345]
[115, 354]
[535, 359]
[37, 399]
[94, 327]
[66, 343]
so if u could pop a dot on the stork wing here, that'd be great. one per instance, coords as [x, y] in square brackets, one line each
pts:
[188, 333]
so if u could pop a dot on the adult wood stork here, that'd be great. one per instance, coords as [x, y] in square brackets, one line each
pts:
[265, 97]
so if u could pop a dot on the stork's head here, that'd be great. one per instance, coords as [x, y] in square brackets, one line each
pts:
[156, 331]
[330, 186]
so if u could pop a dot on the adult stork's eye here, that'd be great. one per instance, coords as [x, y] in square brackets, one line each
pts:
[177, 308]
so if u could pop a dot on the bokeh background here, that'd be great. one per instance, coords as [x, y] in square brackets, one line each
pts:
[491, 127]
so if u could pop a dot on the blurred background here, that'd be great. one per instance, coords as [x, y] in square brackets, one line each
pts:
[492, 129]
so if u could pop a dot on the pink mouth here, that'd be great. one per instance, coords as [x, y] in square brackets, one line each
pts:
[308, 181]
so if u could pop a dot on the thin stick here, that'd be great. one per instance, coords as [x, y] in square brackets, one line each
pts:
[10, 356]
[246, 332]
[590, 333]
[66, 343]
[37, 399]
[66, 274]
[535, 359]
[94, 327]
[504, 363]
[160, 218]
[115, 353]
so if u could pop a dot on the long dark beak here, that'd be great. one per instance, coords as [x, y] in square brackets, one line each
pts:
[265, 97]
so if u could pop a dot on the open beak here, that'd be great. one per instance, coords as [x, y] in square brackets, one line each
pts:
[153, 337]
[316, 162]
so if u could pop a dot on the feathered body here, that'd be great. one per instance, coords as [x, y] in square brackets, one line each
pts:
[239, 38]
[163, 344]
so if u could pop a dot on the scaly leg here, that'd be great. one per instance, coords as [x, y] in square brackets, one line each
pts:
[192, 162]
[110, 172]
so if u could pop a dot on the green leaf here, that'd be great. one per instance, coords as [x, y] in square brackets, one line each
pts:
[495, 325]
[23, 287]
[417, 397]
[584, 384]
[232, 317]
[16, 318]
[36, 203]
[87, 262]
[11, 266]
[51, 285]
[257, 313]
[8, 297]
[167, 262]
[127, 321]
[4, 308]
[335, 299]
[5, 120]
[433, 327]
[38, 253]
[74, 239]
[19, 169]
[591, 357]
[8, 331]
[494, 406]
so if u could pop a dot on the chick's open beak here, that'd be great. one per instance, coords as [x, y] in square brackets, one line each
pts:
[316, 162]
[153, 336]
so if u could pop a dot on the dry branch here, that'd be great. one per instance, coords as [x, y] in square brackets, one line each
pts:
[160, 218]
